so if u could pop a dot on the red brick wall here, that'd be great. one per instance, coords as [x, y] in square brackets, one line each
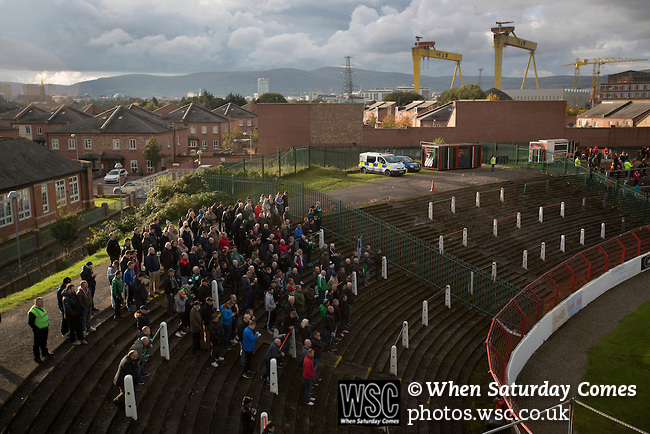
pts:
[282, 126]
[336, 124]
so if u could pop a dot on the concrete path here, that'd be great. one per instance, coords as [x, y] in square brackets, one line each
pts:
[420, 183]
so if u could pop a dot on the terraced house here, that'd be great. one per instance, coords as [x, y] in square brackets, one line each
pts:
[119, 135]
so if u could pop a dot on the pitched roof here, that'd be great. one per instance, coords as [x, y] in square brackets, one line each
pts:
[167, 108]
[118, 120]
[22, 113]
[633, 110]
[606, 108]
[25, 162]
[192, 113]
[62, 114]
[233, 111]
[442, 113]
[93, 109]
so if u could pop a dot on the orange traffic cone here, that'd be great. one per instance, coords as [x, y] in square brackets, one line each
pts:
[432, 186]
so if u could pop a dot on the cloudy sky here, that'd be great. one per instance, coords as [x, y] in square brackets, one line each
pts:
[66, 41]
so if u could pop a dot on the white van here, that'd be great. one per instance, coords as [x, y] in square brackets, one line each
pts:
[378, 162]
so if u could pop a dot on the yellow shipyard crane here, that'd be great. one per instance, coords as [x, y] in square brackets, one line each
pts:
[595, 78]
[503, 38]
[427, 49]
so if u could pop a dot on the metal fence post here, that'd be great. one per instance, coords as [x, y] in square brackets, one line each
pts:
[354, 283]
[478, 199]
[542, 252]
[502, 195]
[471, 283]
[393, 360]
[441, 243]
[562, 209]
[448, 296]
[264, 418]
[384, 267]
[405, 334]
[292, 348]
[602, 231]
[425, 313]
[129, 398]
[494, 227]
[273, 377]
[465, 237]
[582, 236]
[541, 214]
[494, 271]
[453, 205]
[518, 220]
[430, 210]
[525, 260]
[562, 243]
[164, 341]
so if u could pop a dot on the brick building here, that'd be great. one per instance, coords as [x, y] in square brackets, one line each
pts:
[282, 126]
[205, 127]
[46, 183]
[119, 135]
[35, 125]
[627, 85]
[8, 118]
[617, 114]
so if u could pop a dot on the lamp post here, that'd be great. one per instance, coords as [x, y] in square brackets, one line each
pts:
[75, 144]
[119, 167]
[13, 197]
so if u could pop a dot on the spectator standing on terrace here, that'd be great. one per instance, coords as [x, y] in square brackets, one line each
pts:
[86, 303]
[274, 352]
[248, 345]
[196, 327]
[269, 305]
[128, 366]
[117, 291]
[378, 261]
[317, 346]
[152, 264]
[170, 286]
[73, 312]
[216, 338]
[88, 275]
[247, 416]
[65, 328]
[110, 273]
[39, 321]
[308, 375]
[113, 247]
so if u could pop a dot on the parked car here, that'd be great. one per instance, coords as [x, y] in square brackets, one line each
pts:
[375, 162]
[127, 188]
[409, 163]
[113, 177]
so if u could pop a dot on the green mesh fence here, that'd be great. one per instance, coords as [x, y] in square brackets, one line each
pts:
[408, 253]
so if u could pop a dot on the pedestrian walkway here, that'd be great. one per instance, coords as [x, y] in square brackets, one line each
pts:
[16, 339]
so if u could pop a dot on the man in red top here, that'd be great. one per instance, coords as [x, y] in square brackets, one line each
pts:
[308, 375]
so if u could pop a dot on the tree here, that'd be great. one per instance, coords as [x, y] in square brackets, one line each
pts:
[152, 152]
[469, 91]
[403, 98]
[236, 99]
[439, 141]
[389, 122]
[233, 139]
[372, 120]
[65, 230]
[205, 100]
[492, 97]
[269, 98]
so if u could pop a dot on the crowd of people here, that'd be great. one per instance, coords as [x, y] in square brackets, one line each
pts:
[618, 165]
[256, 254]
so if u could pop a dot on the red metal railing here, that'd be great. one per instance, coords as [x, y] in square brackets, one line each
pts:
[537, 299]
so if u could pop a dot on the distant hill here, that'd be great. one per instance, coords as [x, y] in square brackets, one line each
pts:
[289, 82]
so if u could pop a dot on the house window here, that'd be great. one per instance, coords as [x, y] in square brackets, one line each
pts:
[55, 143]
[73, 181]
[46, 202]
[595, 123]
[132, 144]
[60, 193]
[215, 129]
[6, 217]
[249, 123]
[162, 162]
[192, 130]
[204, 144]
[24, 204]
[149, 166]
[204, 130]
[134, 166]
[88, 143]
[627, 124]
[39, 130]
[28, 129]
[72, 144]
[193, 144]
[215, 144]
[116, 143]
[241, 123]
